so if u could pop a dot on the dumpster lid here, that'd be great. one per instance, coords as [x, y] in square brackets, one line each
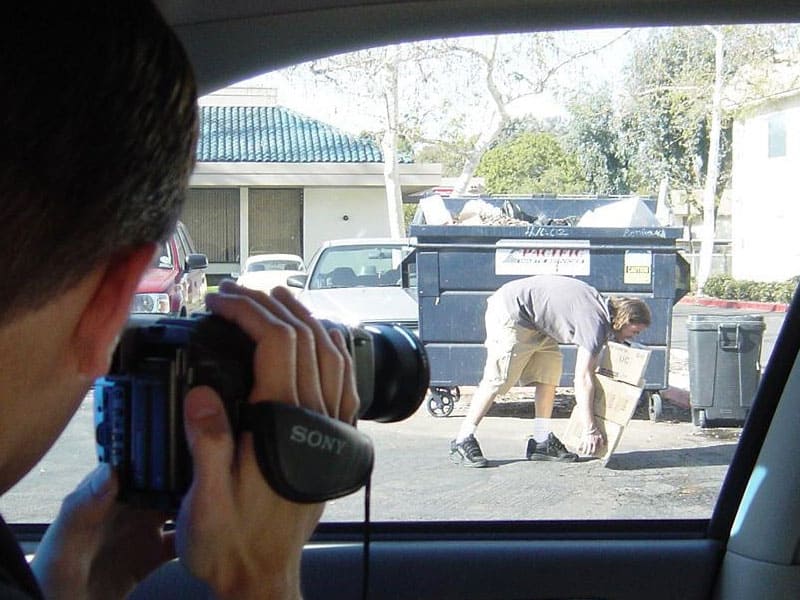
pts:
[662, 236]
[542, 217]
[703, 322]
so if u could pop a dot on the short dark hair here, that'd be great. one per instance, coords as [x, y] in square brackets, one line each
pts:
[98, 125]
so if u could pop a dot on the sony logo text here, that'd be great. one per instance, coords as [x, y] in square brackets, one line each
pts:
[316, 439]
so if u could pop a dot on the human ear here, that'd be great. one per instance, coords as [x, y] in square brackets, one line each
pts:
[105, 313]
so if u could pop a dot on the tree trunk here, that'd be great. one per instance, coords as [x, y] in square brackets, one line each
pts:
[712, 170]
[663, 211]
[483, 143]
[498, 120]
[391, 172]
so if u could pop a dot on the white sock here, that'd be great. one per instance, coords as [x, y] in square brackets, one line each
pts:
[542, 428]
[467, 429]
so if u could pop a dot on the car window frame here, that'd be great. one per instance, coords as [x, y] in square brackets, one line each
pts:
[184, 247]
[716, 527]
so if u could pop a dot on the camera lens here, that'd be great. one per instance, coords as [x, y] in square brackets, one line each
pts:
[391, 369]
[401, 374]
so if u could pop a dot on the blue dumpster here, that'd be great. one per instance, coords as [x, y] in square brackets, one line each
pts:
[459, 266]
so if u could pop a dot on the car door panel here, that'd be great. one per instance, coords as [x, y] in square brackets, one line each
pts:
[491, 569]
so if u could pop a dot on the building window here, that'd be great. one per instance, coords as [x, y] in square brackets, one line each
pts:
[776, 128]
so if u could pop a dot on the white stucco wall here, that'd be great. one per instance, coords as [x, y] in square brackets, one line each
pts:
[330, 191]
[331, 213]
[766, 196]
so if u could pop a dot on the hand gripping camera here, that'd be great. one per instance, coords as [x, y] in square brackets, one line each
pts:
[303, 455]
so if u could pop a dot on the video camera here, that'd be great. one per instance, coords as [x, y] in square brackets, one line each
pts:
[304, 455]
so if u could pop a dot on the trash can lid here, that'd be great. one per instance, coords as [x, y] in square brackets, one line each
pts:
[712, 322]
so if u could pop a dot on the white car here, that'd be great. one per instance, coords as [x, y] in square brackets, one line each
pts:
[266, 271]
[361, 281]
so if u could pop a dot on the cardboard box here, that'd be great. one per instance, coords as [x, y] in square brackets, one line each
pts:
[624, 363]
[615, 396]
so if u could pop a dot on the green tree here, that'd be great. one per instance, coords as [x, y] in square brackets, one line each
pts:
[454, 147]
[451, 151]
[595, 136]
[680, 82]
[531, 163]
[668, 99]
[512, 68]
[669, 85]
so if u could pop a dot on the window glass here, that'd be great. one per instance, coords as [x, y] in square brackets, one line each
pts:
[162, 259]
[777, 136]
[274, 265]
[370, 265]
[593, 155]
[186, 239]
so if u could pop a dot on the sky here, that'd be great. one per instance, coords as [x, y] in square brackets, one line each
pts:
[339, 111]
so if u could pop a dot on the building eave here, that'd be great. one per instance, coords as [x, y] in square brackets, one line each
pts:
[412, 176]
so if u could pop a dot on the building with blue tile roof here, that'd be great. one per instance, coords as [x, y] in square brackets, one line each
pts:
[269, 179]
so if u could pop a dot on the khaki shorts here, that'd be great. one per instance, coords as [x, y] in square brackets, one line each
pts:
[517, 355]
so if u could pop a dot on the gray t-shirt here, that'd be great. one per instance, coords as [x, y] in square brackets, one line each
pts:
[568, 310]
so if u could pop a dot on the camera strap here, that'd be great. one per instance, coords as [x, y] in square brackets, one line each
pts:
[306, 456]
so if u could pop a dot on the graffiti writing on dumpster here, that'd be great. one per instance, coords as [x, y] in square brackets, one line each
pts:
[538, 258]
[645, 232]
[547, 232]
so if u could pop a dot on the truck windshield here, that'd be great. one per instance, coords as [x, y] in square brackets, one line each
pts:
[162, 259]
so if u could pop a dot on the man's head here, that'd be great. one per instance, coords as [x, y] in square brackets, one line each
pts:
[629, 317]
[98, 123]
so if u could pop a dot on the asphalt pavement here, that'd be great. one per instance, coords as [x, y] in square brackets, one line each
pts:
[665, 469]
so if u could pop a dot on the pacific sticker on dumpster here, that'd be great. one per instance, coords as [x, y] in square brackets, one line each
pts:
[542, 257]
[638, 267]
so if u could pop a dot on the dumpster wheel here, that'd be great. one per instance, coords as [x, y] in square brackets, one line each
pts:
[442, 400]
[699, 418]
[655, 406]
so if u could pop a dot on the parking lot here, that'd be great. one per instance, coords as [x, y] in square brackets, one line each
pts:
[666, 469]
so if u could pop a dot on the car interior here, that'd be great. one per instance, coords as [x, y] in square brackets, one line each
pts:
[343, 267]
[749, 545]
[343, 277]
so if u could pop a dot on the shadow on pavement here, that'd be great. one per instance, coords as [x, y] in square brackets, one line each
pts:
[509, 461]
[517, 405]
[524, 407]
[494, 463]
[718, 455]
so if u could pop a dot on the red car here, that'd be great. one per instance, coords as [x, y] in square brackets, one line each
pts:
[175, 283]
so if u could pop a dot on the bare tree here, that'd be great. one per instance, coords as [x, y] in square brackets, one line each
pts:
[471, 80]
[376, 80]
[513, 68]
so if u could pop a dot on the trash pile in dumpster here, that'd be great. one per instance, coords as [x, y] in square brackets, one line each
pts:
[629, 212]
[480, 212]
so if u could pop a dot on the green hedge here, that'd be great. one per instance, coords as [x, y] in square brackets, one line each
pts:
[727, 288]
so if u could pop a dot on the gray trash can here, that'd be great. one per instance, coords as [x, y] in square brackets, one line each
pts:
[724, 367]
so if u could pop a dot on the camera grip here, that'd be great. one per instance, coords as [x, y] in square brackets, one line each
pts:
[305, 456]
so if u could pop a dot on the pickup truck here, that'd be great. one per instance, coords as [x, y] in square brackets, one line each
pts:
[175, 284]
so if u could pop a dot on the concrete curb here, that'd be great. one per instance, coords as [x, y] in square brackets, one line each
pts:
[741, 304]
